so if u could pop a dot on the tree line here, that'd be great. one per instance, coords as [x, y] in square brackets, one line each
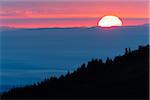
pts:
[124, 77]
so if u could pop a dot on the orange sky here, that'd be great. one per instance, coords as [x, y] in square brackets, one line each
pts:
[70, 13]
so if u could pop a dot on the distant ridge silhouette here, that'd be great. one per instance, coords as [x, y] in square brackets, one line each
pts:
[124, 77]
[90, 27]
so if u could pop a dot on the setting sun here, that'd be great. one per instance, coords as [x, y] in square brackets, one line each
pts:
[109, 21]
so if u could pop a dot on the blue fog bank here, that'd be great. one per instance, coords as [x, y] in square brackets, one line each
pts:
[31, 55]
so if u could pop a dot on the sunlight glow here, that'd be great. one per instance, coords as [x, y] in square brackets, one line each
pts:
[109, 21]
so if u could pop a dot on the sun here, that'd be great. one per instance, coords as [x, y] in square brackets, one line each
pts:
[109, 21]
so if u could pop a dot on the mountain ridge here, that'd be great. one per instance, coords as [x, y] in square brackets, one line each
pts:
[90, 27]
[124, 77]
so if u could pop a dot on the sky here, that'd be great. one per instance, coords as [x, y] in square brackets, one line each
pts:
[70, 13]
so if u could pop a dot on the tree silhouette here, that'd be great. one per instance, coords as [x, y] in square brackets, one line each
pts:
[125, 77]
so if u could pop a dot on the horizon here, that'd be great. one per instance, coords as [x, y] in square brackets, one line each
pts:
[138, 22]
[11, 27]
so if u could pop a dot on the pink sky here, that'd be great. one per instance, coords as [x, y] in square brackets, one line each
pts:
[29, 14]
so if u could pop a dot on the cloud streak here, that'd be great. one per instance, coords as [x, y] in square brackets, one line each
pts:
[64, 22]
[65, 13]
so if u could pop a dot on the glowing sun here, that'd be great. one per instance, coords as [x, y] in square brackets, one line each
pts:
[109, 21]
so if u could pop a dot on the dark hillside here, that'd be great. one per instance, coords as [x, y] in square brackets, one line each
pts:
[124, 77]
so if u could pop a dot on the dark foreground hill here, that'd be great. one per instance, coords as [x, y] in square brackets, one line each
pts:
[124, 77]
